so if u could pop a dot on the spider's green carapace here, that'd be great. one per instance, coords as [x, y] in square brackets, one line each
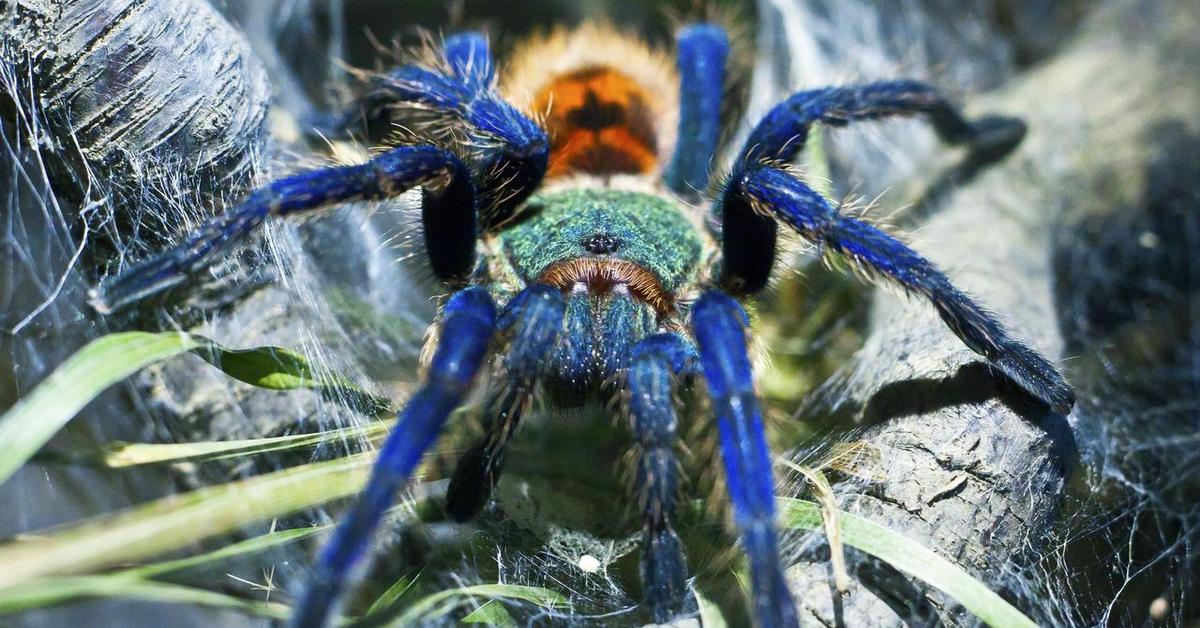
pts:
[604, 224]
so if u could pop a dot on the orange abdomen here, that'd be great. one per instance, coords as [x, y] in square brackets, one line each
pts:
[600, 122]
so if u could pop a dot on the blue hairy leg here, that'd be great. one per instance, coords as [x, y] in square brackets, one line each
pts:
[466, 330]
[719, 325]
[623, 322]
[448, 214]
[470, 59]
[575, 374]
[514, 151]
[781, 134]
[702, 50]
[812, 216]
[530, 324]
[655, 364]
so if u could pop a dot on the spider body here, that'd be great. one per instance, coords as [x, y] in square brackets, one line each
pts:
[621, 258]
[585, 259]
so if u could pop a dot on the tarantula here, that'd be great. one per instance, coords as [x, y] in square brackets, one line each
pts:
[585, 258]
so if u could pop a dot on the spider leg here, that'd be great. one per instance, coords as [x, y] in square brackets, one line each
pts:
[470, 58]
[767, 190]
[577, 351]
[650, 380]
[514, 151]
[719, 325]
[702, 50]
[448, 214]
[531, 322]
[781, 134]
[467, 324]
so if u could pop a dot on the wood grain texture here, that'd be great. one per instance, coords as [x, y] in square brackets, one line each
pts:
[974, 470]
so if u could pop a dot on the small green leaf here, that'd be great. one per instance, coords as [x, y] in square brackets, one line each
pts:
[277, 368]
[912, 558]
[30, 424]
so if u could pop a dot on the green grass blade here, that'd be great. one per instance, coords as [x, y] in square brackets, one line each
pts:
[179, 521]
[491, 613]
[434, 605]
[242, 548]
[710, 613]
[34, 420]
[120, 455]
[912, 558]
[393, 593]
[52, 591]
[30, 424]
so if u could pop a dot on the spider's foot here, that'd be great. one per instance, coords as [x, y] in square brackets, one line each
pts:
[470, 486]
[1032, 372]
[993, 137]
[664, 575]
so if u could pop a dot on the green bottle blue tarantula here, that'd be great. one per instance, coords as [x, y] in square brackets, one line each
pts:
[584, 257]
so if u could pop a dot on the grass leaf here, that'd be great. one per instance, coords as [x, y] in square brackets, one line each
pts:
[50, 591]
[491, 613]
[710, 613]
[120, 455]
[242, 548]
[30, 424]
[393, 593]
[428, 608]
[179, 521]
[34, 420]
[912, 558]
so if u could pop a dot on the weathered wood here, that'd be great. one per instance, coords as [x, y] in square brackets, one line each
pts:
[973, 469]
[141, 93]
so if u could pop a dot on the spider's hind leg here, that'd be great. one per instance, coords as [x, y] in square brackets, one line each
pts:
[781, 134]
[531, 323]
[655, 364]
[764, 193]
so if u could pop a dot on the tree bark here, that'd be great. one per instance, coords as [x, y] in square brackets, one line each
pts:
[972, 468]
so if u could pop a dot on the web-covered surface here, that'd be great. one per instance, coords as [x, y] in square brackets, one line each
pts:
[1129, 521]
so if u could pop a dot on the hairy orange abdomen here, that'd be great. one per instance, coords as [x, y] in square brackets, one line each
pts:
[599, 122]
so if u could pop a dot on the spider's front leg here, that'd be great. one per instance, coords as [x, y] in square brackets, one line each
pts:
[719, 325]
[448, 196]
[656, 363]
[759, 194]
[702, 50]
[512, 151]
[468, 322]
[532, 322]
